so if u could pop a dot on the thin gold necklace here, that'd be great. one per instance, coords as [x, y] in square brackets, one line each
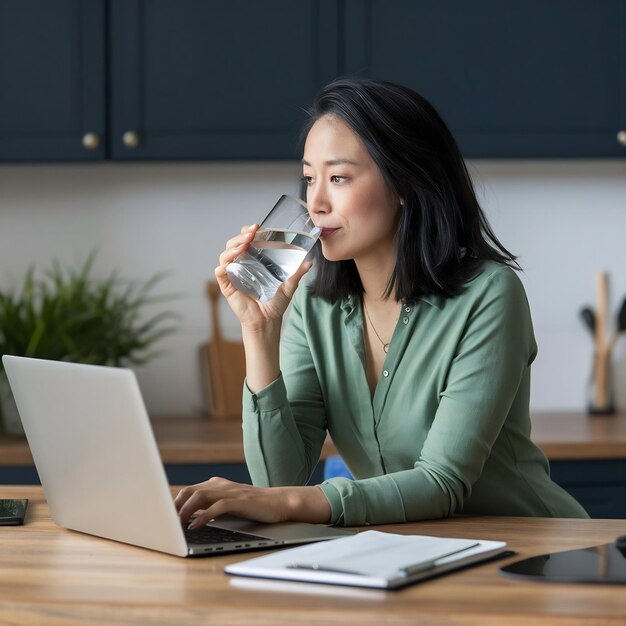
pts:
[385, 345]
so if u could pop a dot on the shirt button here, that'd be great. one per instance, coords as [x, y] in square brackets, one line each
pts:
[385, 373]
[407, 309]
[405, 320]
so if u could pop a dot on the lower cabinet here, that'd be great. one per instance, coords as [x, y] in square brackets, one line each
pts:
[599, 485]
[196, 473]
[177, 474]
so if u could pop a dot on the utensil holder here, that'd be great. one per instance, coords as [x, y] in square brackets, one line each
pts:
[601, 393]
[601, 388]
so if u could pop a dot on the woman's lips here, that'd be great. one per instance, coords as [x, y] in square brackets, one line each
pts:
[327, 232]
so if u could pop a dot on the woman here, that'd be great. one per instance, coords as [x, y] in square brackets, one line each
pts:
[411, 346]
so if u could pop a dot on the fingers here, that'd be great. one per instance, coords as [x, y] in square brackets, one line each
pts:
[203, 494]
[210, 503]
[223, 282]
[200, 500]
[219, 496]
[234, 247]
[215, 482]
[238, 244]
[248, 508]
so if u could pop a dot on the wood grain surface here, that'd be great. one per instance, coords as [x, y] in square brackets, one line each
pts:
[199, 439]
[58, 577]
[181, 439]
[227, 364]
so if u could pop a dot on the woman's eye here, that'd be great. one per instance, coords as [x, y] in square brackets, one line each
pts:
[337, 179]
[307, 179]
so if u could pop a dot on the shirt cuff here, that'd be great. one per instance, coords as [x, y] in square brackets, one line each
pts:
[374, 500]
[270, 398]
[334, 499]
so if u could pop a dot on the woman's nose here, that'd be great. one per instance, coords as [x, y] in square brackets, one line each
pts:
[316, 199]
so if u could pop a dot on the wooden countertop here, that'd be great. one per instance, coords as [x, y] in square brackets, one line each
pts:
[53, 576]
[579, 436]
[198, 439]
[181, 439]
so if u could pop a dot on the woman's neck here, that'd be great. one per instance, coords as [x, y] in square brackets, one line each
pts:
[375, 277]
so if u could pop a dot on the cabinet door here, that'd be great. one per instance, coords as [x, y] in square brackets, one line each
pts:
[598, 484]
[520, 79]
[201, 79]
[52, 79]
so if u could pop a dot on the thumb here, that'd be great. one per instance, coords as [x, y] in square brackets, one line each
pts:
[291, 284]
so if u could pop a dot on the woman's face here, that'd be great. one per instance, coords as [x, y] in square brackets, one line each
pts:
[347, 195]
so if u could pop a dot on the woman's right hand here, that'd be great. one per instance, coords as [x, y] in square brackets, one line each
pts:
[252, 314]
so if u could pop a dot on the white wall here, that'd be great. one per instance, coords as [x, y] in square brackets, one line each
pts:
[565, 220]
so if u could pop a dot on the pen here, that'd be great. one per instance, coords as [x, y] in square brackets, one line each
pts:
[324, 568]
[408, 570]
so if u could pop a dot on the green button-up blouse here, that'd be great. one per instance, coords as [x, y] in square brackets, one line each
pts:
[447, 429]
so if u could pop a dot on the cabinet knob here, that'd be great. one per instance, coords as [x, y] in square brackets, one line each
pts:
[130, 139]
[91, 141]
[621, 137]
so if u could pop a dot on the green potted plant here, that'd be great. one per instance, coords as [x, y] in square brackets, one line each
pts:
[68, 315]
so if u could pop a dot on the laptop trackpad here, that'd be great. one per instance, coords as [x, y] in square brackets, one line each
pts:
[282, 531]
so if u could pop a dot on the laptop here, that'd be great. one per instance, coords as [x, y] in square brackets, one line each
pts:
[99, 464]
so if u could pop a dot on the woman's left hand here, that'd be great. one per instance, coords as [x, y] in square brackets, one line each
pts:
[219, 496]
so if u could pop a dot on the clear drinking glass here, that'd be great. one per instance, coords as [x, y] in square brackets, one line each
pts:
[278, 249]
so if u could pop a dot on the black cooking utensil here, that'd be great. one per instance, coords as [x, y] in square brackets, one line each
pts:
[621, 318]
[589, 317]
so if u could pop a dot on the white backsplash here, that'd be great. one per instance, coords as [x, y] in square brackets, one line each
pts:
[565, 219]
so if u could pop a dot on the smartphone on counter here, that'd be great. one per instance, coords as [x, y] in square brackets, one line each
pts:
[12, 512]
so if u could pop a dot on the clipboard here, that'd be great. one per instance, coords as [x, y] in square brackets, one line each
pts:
[370, 559]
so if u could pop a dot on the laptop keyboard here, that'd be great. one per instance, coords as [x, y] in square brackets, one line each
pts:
[211, 534]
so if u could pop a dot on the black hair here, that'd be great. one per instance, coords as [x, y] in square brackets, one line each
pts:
[443, 236]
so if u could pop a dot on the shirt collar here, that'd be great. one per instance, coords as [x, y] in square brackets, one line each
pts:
[433, 300]
[349, 303]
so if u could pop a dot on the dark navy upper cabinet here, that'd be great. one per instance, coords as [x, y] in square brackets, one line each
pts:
[52, 80]
[202, 79]
[541, 78]
[198, 79]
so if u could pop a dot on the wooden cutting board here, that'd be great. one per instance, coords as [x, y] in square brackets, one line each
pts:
[224, 365]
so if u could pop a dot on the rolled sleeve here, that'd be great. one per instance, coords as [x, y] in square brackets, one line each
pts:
[284, 424]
